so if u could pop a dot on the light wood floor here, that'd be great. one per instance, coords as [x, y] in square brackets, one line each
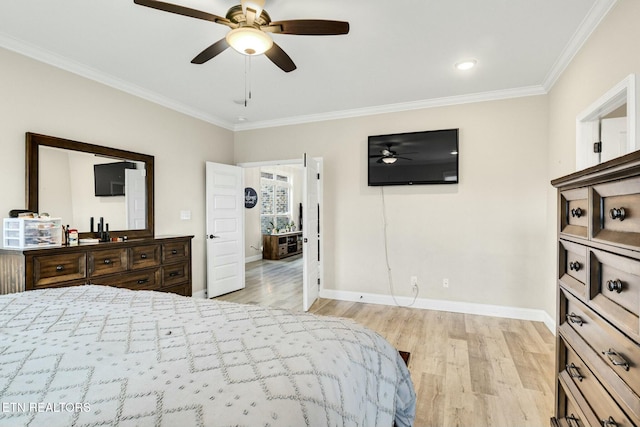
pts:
[467, 370]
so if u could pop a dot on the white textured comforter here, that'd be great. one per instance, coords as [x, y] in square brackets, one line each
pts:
[101, 356]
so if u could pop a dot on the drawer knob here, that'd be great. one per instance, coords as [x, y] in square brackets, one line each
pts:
[574, 265]
[107, 261]
[59, 267]
[573, 421]
[609, 423]
[614, 285]
[576, 213]
[574, 318]
[143, 281]
[174, 274]
[174, 252]
[143, 256]
[573, 372]
[616, 359]
[617, 213]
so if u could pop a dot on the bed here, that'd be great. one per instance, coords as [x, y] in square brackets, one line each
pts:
[97, 355]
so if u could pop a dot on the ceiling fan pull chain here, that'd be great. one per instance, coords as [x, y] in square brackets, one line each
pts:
[249, 74]
[246, 59]
[247, 79]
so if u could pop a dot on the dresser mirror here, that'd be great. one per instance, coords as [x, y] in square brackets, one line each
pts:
[76, 182]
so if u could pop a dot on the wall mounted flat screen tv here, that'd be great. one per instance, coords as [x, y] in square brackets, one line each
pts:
[109, 178]
[429, 157]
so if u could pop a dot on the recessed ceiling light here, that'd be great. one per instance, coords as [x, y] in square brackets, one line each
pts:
[467, 64]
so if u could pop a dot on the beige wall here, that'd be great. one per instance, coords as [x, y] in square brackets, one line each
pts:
[610, 54]
[43, 99]
[486, 235]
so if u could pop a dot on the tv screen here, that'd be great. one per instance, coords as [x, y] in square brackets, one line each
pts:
[429, 157]
[109, 178]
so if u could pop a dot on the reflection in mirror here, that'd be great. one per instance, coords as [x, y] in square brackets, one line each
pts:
[76, 181]
[110, 188]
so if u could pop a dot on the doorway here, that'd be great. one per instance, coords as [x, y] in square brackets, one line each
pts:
[279, 214]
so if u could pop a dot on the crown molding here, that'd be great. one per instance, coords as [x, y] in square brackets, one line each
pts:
[394, 108]
[74, 67]
[598, 11]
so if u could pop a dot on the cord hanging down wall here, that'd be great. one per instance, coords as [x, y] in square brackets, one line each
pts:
[415, 288]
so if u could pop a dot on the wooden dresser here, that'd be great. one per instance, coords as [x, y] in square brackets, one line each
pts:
[159, 264]
[598, 340]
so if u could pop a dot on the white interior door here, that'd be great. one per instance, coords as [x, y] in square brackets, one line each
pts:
[613, 135]
[310, 234]
[225, 229]
[135, 185]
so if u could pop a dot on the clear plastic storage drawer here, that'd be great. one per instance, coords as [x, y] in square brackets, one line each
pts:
[32, 232]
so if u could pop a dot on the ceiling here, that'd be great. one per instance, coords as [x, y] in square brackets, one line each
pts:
[398, 55]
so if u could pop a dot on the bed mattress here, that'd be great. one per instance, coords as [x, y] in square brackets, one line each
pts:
[96, 355]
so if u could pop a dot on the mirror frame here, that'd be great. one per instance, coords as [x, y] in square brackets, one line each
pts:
[33, 143]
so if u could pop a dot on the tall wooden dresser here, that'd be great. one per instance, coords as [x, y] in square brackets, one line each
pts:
[158, 264]
[598, 340]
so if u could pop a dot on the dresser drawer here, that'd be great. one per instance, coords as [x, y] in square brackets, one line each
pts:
[600, 402]
[183, 289]
[176, 251]
[618, 357]
[616, 213]
[572, 266]
[108, 261]
[175, 273]
[574, 212]
[138, 280]
[145, 256]
[615, 290]
[572, 410]
[53, 269]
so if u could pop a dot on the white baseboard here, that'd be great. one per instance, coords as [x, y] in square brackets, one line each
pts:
[199, 294]
[443, 305]
[253, 258]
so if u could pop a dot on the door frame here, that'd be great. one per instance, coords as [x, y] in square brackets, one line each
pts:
[587, 122]
[300, 162]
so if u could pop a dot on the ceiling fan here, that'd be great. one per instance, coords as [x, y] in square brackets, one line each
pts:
[250, 25]
[388, 156]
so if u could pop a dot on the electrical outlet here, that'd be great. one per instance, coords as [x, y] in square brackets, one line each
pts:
[445, 283]
[414, 284]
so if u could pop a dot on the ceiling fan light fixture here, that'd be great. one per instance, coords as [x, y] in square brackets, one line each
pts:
[389, 160]
[249, 40]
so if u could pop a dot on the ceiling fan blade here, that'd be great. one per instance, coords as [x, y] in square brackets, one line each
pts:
[309, 27]
[280, 58]
[213, 50]
[185, 11]
[403, 158]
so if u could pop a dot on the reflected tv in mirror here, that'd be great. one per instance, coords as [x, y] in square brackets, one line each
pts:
[428, 157]
[109, 178]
